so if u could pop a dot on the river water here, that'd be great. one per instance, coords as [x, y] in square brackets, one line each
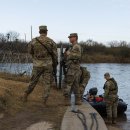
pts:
[121, 73]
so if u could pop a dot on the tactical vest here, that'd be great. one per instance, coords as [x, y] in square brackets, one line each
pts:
[75, 61]
[114, 87]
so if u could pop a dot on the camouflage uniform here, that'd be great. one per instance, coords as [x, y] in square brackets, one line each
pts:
[73, 74]
[111, 98]
[85, 76]
[42, 62]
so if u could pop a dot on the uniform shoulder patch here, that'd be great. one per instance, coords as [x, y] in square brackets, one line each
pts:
[49, 39]
[76, 47]
[108, 83]
[33, 41]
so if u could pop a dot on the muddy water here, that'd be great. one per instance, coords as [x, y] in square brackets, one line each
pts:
[121, 72]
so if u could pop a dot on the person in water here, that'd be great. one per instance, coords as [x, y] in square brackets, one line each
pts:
[111, 98]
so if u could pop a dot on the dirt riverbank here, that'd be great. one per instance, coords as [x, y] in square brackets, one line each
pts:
[20, 116]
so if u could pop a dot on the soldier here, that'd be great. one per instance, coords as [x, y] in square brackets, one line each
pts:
[44, 54]
[85, 76]
[72, 78]
[111, 98]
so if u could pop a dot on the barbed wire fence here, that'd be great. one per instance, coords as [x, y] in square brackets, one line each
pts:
[13, 61]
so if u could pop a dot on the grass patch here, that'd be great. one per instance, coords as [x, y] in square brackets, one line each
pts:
[19, 115]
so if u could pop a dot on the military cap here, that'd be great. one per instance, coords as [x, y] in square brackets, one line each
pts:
[43, 27]
[107, 74]
[73, 35]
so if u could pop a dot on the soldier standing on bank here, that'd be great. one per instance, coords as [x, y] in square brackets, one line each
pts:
[111, 98]
[44, 54]
[72, 78]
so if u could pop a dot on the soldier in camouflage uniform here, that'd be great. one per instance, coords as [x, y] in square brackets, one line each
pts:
[111, 98]
[72, 78]
[85, 76]
[42, 62]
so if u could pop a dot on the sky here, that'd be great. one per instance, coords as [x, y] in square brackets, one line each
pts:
[100, 20]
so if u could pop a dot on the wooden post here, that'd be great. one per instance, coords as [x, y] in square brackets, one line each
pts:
[31, 33]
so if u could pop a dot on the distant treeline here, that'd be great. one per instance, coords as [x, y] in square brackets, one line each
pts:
[10, 42]
[93, 51]
[113, 52]
[14, 47]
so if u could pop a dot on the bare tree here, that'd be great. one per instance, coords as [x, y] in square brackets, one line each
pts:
[118, 44]
[12, 35]
[128, 45]
[2, 38]
[123, 44]
[114, 43]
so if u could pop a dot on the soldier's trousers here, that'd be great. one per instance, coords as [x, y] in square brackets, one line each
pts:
[111, 109]
[72, 81]
[45, 73]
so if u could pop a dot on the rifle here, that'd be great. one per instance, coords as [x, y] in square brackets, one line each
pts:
[61, 66]
[54, 62]
[55, 73]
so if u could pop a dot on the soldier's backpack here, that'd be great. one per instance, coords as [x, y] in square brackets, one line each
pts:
[85, 76]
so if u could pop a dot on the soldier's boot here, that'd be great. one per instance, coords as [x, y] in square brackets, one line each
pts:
[114, 121]
[66, 101]
[78, 101]
[25, 97]
[108, 121]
